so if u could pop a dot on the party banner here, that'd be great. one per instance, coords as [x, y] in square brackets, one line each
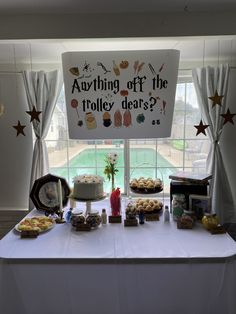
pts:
[120, 94]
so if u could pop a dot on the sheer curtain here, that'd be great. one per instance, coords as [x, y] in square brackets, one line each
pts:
[42, 90]
[208, 81]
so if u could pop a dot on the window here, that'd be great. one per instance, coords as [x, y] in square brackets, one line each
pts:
[156, 158]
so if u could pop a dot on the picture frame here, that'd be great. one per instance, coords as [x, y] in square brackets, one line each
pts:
[200, 205]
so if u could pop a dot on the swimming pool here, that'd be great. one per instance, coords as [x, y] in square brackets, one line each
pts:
[92, 161]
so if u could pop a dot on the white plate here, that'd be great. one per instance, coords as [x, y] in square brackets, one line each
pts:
[50, 227]
[89, 200]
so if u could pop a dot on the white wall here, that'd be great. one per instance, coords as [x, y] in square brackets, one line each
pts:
[15, 152]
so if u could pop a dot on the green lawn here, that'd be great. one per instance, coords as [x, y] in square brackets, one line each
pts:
[178, 144]
[143, 158]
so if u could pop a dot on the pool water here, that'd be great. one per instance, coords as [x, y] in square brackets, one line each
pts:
[142, 164]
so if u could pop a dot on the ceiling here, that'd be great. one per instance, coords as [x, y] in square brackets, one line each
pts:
[112, 6]
[192, 49]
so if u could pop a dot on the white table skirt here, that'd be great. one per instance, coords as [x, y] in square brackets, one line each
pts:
[152, 268]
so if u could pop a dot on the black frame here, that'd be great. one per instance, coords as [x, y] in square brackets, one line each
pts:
[34, 194]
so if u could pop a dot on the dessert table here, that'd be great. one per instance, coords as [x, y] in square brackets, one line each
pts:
[153, 268]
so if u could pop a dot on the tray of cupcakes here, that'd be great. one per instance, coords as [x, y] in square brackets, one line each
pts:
[146, 185]
[151, 208]
[148, 205]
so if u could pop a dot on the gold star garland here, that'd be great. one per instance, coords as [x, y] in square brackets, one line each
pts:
[201, 128]
[20, 128]
[228, 116]
[34, 114]
[216, 99]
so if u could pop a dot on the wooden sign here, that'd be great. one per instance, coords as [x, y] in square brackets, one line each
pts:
[29, 234]
[114, 219]
[131, 222]
[120, 94]
[83, 227]
[152, 217]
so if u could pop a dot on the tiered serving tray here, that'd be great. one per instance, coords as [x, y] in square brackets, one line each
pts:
[146, 191]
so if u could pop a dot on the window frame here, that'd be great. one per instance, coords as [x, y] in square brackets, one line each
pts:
[186, 79]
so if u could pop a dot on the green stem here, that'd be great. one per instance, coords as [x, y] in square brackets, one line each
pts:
[112, 182]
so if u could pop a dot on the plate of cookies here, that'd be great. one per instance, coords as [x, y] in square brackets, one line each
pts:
[149, 206]
[39, 224]
[146, 185]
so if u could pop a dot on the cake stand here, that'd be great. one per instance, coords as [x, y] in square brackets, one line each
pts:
[88, 203]
[145, 192]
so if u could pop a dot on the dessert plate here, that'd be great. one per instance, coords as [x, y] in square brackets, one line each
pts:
[38, 223]
[146, 191]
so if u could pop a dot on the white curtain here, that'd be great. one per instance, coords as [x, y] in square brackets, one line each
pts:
[42, 90]
[207, 81]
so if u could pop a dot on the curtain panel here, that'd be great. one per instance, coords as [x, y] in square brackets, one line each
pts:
[208, 81]
[42, 90]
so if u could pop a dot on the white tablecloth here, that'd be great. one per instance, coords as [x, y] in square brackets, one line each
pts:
[152, 268]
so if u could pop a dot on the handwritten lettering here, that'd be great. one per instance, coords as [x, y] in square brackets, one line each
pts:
[136, 85]
[138, 104]
[97, 84]
[99, 105]
[159, 83]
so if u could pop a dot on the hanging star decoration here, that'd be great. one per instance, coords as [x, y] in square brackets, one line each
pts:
[20, 128]
[216, 99]
[201, 128]
[228, 117]
[34, 114]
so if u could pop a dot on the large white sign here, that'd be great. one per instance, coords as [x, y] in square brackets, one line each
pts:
[121, 94]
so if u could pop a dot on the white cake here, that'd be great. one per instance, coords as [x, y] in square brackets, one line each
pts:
[88, 187]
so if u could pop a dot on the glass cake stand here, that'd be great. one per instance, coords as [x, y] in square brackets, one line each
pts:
[145, 192]
[88, 202]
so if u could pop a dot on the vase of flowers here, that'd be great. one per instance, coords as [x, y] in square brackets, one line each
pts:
[110, 172]
[110, 168]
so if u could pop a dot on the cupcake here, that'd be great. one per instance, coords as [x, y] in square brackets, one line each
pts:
[150, 187]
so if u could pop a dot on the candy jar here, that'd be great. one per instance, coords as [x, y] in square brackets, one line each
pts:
[130, 211]
[77, 217]
[178, 205]
[93, 219]
[191, 214]
[185, 222]
[210, 221]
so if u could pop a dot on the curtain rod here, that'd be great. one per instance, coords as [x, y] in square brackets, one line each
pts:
[11, 72]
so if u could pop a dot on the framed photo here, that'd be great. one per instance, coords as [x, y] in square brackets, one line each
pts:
[200, 204]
